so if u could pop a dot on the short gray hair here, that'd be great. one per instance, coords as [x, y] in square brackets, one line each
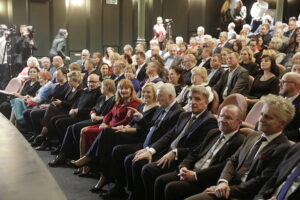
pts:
[169, 88]
[200, 90]
[285, 109]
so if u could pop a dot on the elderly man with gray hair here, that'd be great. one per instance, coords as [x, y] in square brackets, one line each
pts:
[173, 59]
[258, 157]
[164, 119]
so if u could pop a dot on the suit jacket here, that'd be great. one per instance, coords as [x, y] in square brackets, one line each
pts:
[141, 76]
[261, 169]
[206, 65]
[117, 80]
[218, 162]
[217, 76]
[167, 123]
[239, 82]
[177, 61]
[290, 161]
[292, 129]
[193, 135]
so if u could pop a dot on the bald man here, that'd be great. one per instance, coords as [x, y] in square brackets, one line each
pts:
[290, 89]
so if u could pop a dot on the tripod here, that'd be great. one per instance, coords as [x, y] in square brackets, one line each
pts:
[7, 49]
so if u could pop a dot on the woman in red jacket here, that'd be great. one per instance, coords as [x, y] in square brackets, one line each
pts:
[125, 97]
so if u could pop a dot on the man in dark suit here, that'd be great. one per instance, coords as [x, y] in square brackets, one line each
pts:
[234, 80]
[224, 43]
[265, 34]
[189, 62]
[205, 58]
[215, 72]
[173, 59]
[258, 157]
[292, 28]
[290, 89]
[118, 70]
[141, 66]
[202, 167]
[164, 119]
[284, 183]
[190, 130]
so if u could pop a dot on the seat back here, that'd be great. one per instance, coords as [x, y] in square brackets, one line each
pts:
[238, 100]
[14, 85]
[251, 80]
[254, 113]
[215, 103]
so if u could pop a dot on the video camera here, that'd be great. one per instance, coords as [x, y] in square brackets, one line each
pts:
[169, 21]
[8, 32]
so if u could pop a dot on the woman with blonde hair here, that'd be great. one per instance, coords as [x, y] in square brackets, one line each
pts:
[247, 61]
[135, 132]
[226, 16]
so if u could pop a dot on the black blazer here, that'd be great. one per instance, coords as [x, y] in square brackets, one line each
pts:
[103, 106]
[70, 98]
[261, 169]
[292, 129]
[217, 76]
[194, 136]
[290, 161]
[212, 173]
[141, 76]
[167, 123]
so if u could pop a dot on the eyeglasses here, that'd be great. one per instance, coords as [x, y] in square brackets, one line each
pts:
[93, 81]
[283, 82]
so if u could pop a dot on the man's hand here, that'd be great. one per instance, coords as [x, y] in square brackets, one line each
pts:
[187, 175]
[67, 58]
[44, 105]
[56, 102]
[222, 190]
[145, 155]
[211, 190]
[166, 160]
[73, 112]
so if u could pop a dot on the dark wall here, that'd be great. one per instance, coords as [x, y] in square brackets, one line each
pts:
[96, 25]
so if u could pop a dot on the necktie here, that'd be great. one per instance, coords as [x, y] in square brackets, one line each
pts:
[288, 183]
[183, 133]
[209, 154]
[250, 157]
[153, 128]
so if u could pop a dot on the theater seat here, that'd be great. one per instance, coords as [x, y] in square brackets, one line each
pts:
[238, 100]
[253, 115]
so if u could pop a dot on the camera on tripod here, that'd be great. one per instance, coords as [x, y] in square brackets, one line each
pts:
[169, 21]
[30, 31]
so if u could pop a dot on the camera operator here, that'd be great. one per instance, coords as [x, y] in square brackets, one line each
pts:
[3, 57]
[24, 47]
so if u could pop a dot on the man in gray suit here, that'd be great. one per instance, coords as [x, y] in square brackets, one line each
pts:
[234, 80]
[258, 157]
[173, 59]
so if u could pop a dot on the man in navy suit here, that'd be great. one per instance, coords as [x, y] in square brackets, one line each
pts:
[190, 131]
[284, 184]
[290, 89]
[202, 167]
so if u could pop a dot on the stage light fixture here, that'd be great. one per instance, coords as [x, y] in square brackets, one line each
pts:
[77, 2]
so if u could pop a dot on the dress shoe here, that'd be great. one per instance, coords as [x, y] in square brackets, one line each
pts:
[115, 192]
[77, 171]
[55, 151]
[31, 139]
[37, 141]
[44, 146]
[59, 160]
[96, 190]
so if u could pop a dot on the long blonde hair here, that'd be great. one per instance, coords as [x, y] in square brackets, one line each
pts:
[226, 5]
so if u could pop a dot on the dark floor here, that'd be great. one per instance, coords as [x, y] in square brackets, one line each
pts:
[74, 187]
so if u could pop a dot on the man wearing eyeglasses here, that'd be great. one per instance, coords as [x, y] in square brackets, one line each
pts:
[290, 89]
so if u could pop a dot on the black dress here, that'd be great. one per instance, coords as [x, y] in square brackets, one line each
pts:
[261, 88]
[252, 68]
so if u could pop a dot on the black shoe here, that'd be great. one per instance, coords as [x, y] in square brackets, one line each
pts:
[96, 190]
[32, 138]
[59, 160]
[55, 151]
[38, 141]
[77, 171]
[44, 146]
[115, 192]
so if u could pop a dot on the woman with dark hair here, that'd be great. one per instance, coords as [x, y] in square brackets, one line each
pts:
[108, 52]
[175, 78]
[89, 68]
[237, 46]
[267, 83]
[162, 71]
[59, 45]
[29, 89]
[97, 59]
[19, 104]
[104, 72]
